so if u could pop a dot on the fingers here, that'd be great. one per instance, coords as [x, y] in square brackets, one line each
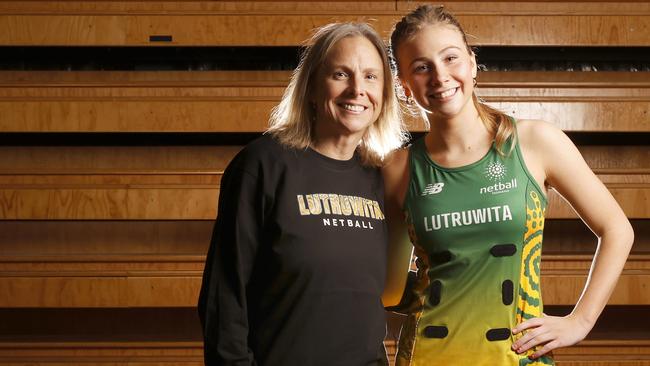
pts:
[530, 323]
[536, 339]
[548, 347]
[547, 333]
[516, 346]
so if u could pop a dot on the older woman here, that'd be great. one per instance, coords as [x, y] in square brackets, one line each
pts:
[296, 266]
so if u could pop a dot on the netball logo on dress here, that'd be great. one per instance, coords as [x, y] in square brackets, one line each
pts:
[496, 171]
[432, 188]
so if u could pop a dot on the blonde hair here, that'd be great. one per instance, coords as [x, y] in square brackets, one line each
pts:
[291, 120]
[495, 120]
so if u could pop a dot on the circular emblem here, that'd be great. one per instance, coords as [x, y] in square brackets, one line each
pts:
[495, 171]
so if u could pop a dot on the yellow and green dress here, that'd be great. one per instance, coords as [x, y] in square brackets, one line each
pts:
[477, 232]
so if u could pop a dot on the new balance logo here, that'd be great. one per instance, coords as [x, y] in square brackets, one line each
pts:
[432, 188]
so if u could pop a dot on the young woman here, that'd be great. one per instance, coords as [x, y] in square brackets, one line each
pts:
[297, 262]
[472, 195]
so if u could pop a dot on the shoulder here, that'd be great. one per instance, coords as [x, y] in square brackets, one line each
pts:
[258, 155]
[265, 148]
[396, 176]
[546, 143]
[396, 162]
[535, 129]
[541, 136]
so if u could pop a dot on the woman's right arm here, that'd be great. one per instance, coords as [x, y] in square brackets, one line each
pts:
[223, 304]
[400, 249]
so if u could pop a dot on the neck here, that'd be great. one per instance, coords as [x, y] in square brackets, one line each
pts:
[457, 134]
[339, 147]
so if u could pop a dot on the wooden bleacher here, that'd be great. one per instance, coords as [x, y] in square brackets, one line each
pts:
[102, 247]
[281, 23]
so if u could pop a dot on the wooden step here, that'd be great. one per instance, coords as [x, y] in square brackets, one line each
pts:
[119, 281]
[240, 101]
[289, 23]
[174, 195]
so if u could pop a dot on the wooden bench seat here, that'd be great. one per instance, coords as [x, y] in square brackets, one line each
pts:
[68, 281]
[182, 195]
[279, 23]
[109, 353]
[587, 353]
[181, 183]
[240, 101]
[138, 199]
[100, 336]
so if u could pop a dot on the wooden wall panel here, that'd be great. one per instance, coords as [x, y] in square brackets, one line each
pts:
[101, 353]
[55, 291]
[17, 160]
[132, 237]
[563, 278]
[108, 290]
[258, 24]
[174, 280]
[109, 238]
[136, 116]
[234, 102]
[199, 203]
[219, 115]
[109, 204]
[42, 160]
[584, 116]
[634, 199]
[574, 237]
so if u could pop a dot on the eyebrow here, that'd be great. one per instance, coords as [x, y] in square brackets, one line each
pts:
[441, 51]
[369, 69]
[372, 69]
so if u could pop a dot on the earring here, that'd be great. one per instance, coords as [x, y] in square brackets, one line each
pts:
[474, 82]
[410, 100]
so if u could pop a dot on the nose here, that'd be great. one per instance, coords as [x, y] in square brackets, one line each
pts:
[356, 86]
[439, 76]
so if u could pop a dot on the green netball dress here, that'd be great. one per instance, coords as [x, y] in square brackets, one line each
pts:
[477, 232]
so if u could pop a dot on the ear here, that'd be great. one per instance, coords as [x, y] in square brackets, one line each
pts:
[474, 65]
[407, 91]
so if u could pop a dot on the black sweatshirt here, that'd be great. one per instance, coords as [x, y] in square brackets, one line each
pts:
[297, 262]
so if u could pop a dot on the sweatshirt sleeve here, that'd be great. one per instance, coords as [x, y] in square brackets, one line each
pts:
[223, 307]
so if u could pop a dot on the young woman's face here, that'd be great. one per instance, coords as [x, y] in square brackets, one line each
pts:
[437, 70]
[348, 88]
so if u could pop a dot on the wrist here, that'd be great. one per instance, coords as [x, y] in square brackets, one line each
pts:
[583, 320]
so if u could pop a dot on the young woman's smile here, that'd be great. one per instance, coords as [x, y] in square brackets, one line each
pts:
[437, 69]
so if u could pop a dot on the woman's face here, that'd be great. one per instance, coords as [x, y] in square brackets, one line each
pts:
[437, 70]
[348, 88]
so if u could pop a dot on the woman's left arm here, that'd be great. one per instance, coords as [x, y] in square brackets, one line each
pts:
[567, 172]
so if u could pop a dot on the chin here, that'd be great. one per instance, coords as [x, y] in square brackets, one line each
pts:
[355, 125]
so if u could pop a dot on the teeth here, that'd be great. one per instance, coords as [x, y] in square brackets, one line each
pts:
[352, 107]
[446, 94]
